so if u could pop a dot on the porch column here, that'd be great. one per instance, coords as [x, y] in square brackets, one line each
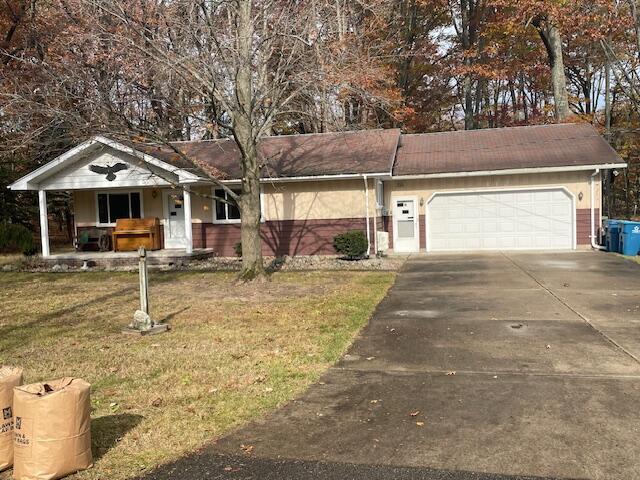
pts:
[44, 222]
[188, 229]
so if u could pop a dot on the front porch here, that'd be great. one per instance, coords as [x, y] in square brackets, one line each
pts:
[112, 181]
[164, 257]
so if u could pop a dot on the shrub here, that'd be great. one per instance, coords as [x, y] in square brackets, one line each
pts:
[352, 244]
[16, 238]
[238, 249]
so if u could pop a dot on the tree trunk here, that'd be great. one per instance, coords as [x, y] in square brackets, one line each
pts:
[466, 38]
[609, 177]
[550, 35]
[469, 121]
[243, 130]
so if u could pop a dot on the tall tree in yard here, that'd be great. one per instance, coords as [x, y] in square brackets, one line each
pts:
[232, 66]
[150, 70]
[546, 16]
[467, 17]
[552, 40]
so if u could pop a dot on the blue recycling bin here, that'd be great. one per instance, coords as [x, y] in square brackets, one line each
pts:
[612, 235]
[629, 238]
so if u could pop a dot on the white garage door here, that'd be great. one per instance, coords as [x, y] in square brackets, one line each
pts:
[500, 220]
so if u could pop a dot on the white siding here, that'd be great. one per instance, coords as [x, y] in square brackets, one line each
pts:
[79, 176]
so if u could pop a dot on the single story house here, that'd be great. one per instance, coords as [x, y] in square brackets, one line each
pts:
[536, 187]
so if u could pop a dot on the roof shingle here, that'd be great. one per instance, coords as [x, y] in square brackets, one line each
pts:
[340, 153]
[503, 148]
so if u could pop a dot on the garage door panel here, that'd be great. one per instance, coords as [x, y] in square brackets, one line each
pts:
[528, 219]
[506, 227]
[560, 210]
[490, 226]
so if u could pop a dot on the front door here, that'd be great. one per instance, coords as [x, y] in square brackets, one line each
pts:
[405, 225]
[174, 234]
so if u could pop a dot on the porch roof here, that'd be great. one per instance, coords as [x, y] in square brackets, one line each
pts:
[164, 173]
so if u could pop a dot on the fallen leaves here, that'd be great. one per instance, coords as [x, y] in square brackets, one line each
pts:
[246, 448]
[414, 414]
[420, 424]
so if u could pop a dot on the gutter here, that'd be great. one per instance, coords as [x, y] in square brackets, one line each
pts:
[594, 245]
[510, 171]
[343, 176]
[366, 212]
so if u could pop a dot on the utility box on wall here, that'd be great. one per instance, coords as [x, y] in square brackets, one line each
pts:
[383, 242]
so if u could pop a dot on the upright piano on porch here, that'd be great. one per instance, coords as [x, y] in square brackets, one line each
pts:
[132, 233]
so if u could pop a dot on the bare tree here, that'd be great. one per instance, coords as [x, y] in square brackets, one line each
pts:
[245, 58]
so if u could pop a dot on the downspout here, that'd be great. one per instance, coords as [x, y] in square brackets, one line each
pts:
[594, 245]
[375, 230]
[366, 207]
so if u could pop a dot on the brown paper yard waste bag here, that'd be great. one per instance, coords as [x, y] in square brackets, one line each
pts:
[52, 435]
[9, 377]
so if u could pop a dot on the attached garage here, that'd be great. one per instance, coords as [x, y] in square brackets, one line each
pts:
[520, 188]
[522, 219]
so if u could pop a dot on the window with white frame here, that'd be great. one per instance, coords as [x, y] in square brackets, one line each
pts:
[224, 211]
[114, 205]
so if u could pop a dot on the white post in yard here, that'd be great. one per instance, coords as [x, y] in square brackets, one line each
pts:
[188, 230]
[142, 323]
[143, 273]
[44, 222]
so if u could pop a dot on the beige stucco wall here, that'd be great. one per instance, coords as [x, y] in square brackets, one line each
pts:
[282, 201]
[201, 205]
[329, 199]
[574, 182]
[335, 199]
[85, 205]
[152, 207]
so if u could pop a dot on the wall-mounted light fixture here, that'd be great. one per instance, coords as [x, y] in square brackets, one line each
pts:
[580, 195]
[154, 193]
[421, 201]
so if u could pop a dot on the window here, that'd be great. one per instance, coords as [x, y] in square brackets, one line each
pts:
[112, 206]
[226, 212]
[379, 194]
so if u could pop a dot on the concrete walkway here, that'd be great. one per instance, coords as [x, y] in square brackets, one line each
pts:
[474, 366]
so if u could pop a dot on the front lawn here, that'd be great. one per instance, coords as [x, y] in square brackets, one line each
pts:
[232, 354]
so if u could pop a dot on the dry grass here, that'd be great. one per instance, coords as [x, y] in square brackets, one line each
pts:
[10, 258]
[233, 352]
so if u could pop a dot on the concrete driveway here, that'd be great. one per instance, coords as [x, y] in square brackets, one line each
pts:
[516, 364]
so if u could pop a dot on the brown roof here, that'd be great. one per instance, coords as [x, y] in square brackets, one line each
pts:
[358, 152]
[503, 148]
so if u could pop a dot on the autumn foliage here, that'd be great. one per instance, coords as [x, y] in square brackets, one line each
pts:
[73, 68]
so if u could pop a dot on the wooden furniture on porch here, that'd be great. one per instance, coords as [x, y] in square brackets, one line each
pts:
[131, 233]
[93, 239]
